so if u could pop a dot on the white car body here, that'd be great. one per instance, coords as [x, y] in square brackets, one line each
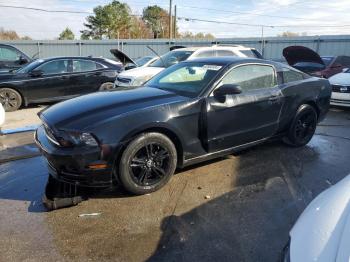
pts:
[322, 232]
[341, 89]
[2, 115]
[138, 76]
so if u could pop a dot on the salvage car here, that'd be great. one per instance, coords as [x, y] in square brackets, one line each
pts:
[191, 112]
[130, 63]
[341, 88]
[322, 232]
[12, 58]
[55, 79]
[138, 76]
[308, 61]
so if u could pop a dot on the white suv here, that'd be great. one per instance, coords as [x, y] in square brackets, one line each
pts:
[138, 76]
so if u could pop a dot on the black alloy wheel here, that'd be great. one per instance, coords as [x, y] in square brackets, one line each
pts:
[147, 163]
[150, 164]
[10, 99]
[303, 126]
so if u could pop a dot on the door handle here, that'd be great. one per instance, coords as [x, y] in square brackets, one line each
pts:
[98, 73]
[64, 77]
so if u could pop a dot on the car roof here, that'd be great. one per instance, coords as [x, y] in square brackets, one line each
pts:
[227, 60]
[214, 47]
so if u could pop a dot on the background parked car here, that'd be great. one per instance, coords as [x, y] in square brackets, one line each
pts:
[322, 232]
[308, 61]
[54, 79]
[138, 76]
[12, 58]
[341, 88]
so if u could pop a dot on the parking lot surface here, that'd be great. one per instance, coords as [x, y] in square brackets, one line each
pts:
[237, 208]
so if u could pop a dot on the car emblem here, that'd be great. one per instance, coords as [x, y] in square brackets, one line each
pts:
[343, 89]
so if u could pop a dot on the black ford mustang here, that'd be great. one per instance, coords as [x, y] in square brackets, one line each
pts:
[55, 79]
[190, 112]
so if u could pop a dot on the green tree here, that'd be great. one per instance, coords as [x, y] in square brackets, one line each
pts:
[109, 21]
[66, 34]
[157, 20]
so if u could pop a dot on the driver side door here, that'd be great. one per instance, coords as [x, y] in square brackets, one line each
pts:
[51, 84]
[246, 117]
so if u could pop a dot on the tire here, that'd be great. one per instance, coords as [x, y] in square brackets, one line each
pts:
[147, 163]
[10, 99]
[106, 86]
[303, 126]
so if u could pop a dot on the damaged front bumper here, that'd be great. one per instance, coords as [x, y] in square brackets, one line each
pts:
[71, 165]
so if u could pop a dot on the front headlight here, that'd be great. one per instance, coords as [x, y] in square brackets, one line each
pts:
[83, 139]
[141, 80]
[69, 139]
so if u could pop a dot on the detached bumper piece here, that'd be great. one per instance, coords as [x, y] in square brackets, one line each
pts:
[59, 194]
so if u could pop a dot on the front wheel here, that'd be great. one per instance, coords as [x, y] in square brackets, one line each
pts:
[147, 163]
[303, 126]
[10, 99]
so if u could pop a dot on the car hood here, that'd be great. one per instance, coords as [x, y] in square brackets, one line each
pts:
[297, 54]
[340, 79]
[86, 111]
[122, 57]
[322, 232]
[141, 72]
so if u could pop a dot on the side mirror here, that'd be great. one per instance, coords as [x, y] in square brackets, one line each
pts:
[22, 60]
[36, 73]
[227, 89]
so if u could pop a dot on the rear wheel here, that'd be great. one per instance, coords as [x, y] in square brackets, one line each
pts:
[10, 99]
[147, 163]
[303, 126]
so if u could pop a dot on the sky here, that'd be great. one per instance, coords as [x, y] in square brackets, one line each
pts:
[313, 17]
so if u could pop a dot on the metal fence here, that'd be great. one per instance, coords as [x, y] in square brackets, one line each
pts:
[271, 47]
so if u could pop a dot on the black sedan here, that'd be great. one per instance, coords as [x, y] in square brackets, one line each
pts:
[55, 79]
[191, 112]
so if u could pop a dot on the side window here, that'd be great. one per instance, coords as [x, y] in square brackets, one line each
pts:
[251, 77]
[291, 76]
[8, 54]
[209, 53]
[54, 67]
[84, 65]
[224, 53]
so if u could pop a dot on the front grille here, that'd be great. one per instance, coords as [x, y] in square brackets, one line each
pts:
[123, 80]
[341, 89]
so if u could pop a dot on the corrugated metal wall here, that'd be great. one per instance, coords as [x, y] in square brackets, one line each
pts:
[272, 47]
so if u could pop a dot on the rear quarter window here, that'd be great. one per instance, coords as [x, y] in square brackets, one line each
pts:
[291, 76]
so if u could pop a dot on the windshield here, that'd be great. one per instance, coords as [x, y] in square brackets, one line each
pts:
[327, 60]
[30, 66]
[186, 79]
[171, 58]
[143, 60]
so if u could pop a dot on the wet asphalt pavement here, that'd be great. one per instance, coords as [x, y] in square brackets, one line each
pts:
[254, 198]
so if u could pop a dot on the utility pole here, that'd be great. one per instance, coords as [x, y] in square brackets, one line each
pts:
[170, 20]
[175, 20]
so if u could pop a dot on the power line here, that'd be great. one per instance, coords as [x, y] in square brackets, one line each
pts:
[46, 10]
[242, 13]
[256, 25]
